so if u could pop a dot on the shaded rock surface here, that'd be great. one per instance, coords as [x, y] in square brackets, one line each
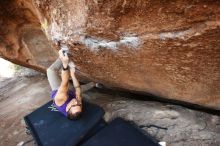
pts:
[170, 49]
[176, 125]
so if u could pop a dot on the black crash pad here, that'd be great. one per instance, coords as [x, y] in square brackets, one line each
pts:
[120, 133]
[50, 128]
[93, 131]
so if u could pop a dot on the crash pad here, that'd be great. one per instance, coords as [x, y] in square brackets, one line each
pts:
[121, 133]
[50, 128]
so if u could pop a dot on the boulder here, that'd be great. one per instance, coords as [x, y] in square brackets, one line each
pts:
[170, 49]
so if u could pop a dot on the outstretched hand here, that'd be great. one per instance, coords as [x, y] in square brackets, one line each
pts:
[64, 58]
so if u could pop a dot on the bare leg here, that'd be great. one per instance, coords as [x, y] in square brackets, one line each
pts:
[53, 74]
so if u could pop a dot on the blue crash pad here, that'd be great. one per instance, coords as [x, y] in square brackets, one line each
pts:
[51, 128]
[121, 133]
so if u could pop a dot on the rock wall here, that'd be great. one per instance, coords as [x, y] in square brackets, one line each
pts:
[170, 49]
[22, 40]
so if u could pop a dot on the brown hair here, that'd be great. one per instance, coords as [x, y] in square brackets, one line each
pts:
[72, 116]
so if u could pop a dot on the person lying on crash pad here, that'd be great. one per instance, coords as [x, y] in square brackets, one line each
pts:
[67, 97]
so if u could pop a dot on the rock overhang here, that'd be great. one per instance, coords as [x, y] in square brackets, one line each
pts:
[169, 49]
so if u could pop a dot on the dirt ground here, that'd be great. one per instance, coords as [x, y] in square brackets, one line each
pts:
[23, 94]
[18, 97]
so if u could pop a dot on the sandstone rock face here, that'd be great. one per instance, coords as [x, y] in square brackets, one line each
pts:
[167, 48]
[21, 39]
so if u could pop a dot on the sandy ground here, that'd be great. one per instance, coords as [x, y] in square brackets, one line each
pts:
[21, 95]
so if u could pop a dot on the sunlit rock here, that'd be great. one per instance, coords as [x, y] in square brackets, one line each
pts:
[167, 48]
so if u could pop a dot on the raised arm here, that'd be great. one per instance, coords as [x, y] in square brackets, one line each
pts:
[76, 85]
[65, 74]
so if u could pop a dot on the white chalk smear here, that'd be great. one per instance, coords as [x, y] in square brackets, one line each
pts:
[172, 35]
[95, 44]
[56, 32]
[130, 41]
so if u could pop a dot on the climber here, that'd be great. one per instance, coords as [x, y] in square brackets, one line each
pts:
[67, 97]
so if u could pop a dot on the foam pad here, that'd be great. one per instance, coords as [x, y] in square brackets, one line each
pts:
[93, 131]
[50, 128]
[120, 133]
